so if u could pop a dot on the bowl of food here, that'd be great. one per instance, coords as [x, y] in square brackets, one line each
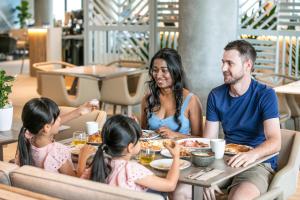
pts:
[202, 157]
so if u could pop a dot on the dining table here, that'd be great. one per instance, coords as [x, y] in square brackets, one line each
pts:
[225, 172]
[100, 72]
[291, 90]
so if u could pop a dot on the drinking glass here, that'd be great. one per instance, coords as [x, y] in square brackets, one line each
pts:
[146, 156]
[79, 137]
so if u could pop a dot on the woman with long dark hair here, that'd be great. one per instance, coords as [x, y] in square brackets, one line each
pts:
[169, 108]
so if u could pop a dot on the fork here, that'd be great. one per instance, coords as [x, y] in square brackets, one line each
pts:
[199, 173]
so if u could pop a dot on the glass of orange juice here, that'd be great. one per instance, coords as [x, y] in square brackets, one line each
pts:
[79, 137]
[146, 156]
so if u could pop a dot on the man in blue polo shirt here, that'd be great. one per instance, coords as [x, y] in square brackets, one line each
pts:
[248, 112]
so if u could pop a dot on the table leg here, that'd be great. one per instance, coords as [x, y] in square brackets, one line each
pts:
[1, 152]
[197, 193]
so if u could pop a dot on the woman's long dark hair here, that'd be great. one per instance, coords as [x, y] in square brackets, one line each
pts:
[174, 64]
[117, 133]
[35, 115]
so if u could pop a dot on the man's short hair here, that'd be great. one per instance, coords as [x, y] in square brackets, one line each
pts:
[245, 49]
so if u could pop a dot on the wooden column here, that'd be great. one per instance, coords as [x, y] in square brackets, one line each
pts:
[37, 47]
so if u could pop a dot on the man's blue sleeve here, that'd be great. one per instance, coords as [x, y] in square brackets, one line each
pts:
[269, 105]
[211, 110]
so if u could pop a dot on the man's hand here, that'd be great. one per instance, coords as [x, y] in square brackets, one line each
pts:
[243, 159]
[209, 193]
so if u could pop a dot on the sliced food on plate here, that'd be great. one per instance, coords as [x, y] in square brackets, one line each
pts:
[154, 145]
[194, 142]
[236, 148]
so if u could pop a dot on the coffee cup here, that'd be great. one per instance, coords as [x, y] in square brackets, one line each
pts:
[218, 147]
[91, 127]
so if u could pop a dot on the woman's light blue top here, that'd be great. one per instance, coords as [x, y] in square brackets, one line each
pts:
[154, 122]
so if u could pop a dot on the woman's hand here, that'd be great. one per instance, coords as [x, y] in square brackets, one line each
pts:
[168, 133]
[88, 107]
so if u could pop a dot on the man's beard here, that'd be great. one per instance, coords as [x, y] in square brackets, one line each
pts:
[233, 80]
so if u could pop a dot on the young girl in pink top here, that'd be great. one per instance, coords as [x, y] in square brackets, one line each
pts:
[36, 146]
[112, 162]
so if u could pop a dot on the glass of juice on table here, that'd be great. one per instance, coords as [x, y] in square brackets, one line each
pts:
[79, 137]
[146, 156]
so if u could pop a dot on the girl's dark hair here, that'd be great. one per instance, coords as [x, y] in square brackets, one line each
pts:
[117, 133]
[174, 64]
[36, 113]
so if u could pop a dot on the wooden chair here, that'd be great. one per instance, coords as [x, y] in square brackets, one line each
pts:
[284, 182]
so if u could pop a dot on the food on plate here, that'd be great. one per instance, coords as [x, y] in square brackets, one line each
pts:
[95, 138]
[148, 134]
[154, 145]
[184, 153]
[169, 143]
[194, 144]
[236, 148]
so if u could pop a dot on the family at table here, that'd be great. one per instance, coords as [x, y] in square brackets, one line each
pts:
[247, 110]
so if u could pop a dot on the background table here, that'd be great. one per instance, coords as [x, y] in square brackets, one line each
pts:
[7, 137]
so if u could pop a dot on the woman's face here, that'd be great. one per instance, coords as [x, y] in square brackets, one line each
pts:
[161, 74]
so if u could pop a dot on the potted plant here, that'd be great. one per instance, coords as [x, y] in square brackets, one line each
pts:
[6, 108]
[23, 14]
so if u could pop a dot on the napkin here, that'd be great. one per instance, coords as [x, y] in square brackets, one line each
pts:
[209, 174]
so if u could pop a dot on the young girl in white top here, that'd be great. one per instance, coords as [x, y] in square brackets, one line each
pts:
[112, 163]
[36, 146]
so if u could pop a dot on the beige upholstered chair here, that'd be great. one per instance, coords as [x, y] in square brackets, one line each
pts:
[116, 91]
[284, 182]
[53, 86]
[47, 66]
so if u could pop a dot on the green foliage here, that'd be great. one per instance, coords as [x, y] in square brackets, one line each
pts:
[23, 13]
[5, 88]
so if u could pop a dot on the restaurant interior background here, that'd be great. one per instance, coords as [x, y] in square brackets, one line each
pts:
[129, 32]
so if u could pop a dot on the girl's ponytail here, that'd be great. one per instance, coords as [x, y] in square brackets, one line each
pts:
[25, 157]
[100, 168]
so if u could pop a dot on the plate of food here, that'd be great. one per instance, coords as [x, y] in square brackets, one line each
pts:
[154, 145]
[149, 135]
[165, 164]
[94, 139]
[194, 143]
[184, 153]
[232, 149]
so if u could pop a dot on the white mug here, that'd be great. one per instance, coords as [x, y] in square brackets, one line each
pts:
[218, 147]
[92, 127]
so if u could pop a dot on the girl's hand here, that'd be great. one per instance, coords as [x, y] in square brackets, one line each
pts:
[173, 148]
[88, 107]
[167, 133]
[86, 151]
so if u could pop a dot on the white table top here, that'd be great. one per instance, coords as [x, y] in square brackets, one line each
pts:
[98, 71]
[291, 88]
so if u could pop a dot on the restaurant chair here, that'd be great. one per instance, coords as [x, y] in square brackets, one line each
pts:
[48, 66]
[294, 103]
[116, 91]
[53, 86]
[284, 182]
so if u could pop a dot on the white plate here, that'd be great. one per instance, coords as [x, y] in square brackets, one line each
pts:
[203, 140]
[165, 164]
[166, 153]
[151, 135]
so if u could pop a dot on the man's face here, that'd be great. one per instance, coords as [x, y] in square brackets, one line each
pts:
[233, 67]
